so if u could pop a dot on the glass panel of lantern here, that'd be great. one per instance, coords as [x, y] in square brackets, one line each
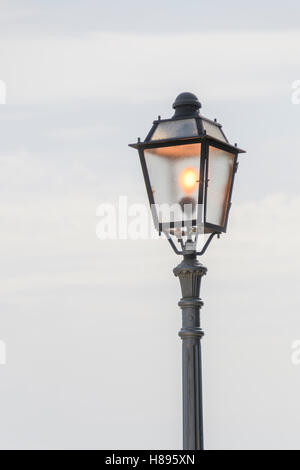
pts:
[213, 130]
[175, 129]
[220, 173]
[174, 174]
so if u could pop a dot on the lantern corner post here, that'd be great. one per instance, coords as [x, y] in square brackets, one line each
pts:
[190, 272]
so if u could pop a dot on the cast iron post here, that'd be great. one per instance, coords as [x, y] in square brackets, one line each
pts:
[190, 272]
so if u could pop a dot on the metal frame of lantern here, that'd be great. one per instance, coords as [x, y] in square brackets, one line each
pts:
[206, 142]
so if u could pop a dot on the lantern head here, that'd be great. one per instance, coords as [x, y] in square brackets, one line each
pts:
[188, 166]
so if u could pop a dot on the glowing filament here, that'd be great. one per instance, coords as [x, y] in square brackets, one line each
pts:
[188, 180]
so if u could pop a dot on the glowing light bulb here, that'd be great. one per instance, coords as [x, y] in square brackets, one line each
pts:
[188, 180]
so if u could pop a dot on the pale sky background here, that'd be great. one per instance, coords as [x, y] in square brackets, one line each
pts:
[93, 356]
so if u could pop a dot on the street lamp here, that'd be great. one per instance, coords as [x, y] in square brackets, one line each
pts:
[189, 167]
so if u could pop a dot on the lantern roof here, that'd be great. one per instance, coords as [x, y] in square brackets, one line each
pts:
[186, 124]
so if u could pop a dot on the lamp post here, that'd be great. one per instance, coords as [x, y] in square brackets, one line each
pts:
[189, 167]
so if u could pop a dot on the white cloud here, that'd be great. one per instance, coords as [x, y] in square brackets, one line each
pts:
[80, 133]
[263, 234]
[63, 291]
[67, 290]
[129, 67]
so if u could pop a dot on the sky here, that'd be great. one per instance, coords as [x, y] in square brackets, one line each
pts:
[90, 326]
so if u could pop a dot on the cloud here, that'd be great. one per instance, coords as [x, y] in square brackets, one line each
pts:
[80, 133]
[64, 293]
[263, 234]
[141, 68]
[66, 290]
